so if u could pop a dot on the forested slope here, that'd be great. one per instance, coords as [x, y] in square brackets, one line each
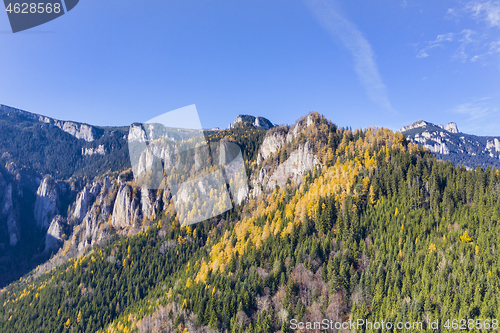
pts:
[379, 230]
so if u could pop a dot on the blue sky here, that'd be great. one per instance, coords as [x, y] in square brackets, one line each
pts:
[360, 63]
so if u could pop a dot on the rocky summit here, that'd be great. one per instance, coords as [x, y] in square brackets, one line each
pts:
[257, 122]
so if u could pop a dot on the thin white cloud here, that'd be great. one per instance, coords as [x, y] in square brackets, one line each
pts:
[464, 41]
[473, 45]
[438, 42]
[494, 47]
[475, 110]
[487, 11]
[480, 116]
[364, 62]
[451, 13]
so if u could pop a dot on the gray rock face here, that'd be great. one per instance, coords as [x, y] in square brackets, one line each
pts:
[416, 124]
[258, 122]
[271, 144]
[53, 238]
[99, 202]
[46, 204]
[261, 123]
[452, 128]
[148, 203]
[79, 131]
[114, 204]
[85, 199]
[126, 210]
[493, 145]
[137, 133]
[299, 162]
[94, 151]
[82, 202]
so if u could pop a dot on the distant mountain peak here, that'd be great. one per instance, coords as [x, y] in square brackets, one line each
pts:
[451, 127]
[248, 120]
[447, 143]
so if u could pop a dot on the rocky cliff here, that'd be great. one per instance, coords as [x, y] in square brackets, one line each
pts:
[300, 158]
[70, 214]
[47, 202]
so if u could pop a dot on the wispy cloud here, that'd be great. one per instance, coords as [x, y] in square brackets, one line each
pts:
[438, 42]
[464, 42]
[487, 11]
[481, 45]
[480, 116]
[365, 66]
[476, 110]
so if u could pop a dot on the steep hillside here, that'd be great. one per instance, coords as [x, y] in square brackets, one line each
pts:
[448, 144]
[338, 224]
[60, 183]
[61, 149]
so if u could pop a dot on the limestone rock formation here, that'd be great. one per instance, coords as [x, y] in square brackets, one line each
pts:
[53, 238]
[299, 162]
[258, 122]
[46, 204]
[452, 128]
[79, 131]
[93, 151]
[126, 209]
[271, 144]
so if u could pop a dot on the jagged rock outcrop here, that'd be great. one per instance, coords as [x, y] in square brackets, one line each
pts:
[126, 210]
[79, 131]
[47, 201]
[96, 221]
[82, 203]
[258, 122]
[85, 199]
[149, 203]
[493, 145]
[262, 123]
[137, 133]
[417, 124]
[452, 128]
[271, 144]
[114, 204]
[53, 239]
[299, 162]
[94, 151]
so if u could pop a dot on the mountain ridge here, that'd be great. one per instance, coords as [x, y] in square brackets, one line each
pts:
[448, 144]
[336, 224]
